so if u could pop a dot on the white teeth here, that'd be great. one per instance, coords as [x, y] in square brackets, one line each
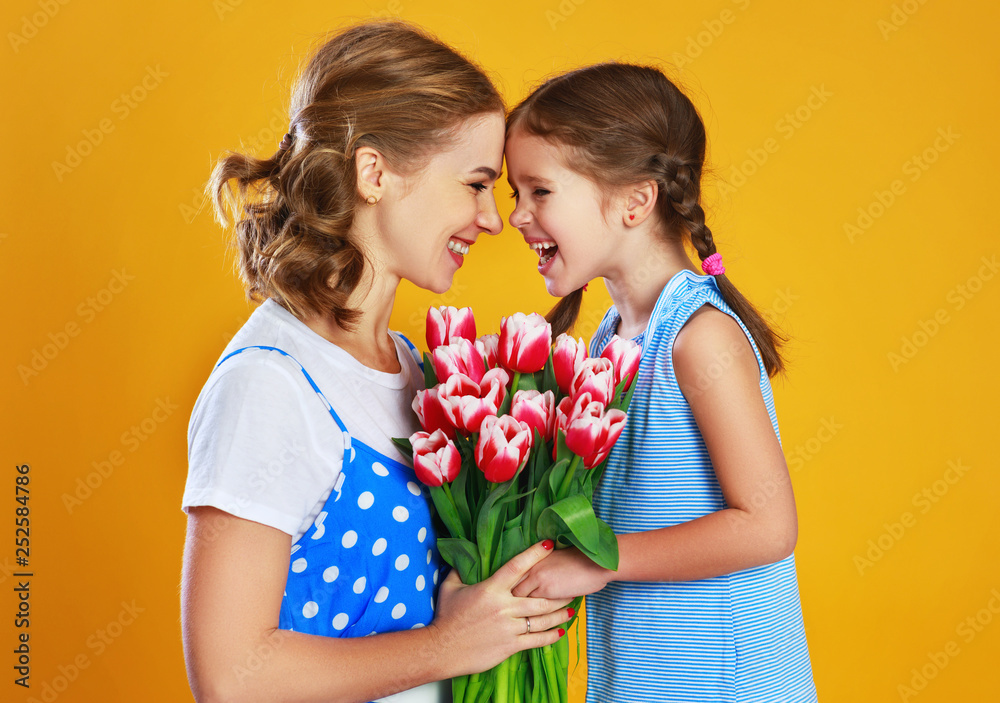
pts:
[542, 249]
[458, 248]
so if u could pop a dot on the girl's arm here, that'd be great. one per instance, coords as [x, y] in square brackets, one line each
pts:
[718, 374]
[234, 577]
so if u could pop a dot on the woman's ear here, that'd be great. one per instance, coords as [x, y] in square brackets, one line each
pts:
[371, 172]
[640, 201]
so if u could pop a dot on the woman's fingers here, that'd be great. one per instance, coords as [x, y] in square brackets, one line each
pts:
[514, 570]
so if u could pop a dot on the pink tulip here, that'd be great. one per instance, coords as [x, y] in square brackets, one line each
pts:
[596, 377]
[567, 355]
[427, 406]
[458, 356]
[625, 356]
[488, 345]
[524, 342]
[503, 448]
[446, 324]
[436, 460]
[467, 403]
[590, 432]
[536, 410]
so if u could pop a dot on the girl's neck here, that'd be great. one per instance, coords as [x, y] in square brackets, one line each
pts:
[637, 284]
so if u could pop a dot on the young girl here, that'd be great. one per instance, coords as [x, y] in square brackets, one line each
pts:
[606, 166]
[310, 568]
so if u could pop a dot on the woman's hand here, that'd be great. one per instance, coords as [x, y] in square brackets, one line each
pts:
[565, 574]
[483, 624]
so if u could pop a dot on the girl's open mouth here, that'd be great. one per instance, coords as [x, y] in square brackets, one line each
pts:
[545, 251]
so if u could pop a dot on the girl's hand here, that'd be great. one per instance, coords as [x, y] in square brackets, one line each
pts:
[566, 574]
[483, 624]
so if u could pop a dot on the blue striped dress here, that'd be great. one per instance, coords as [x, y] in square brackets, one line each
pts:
[737, 637]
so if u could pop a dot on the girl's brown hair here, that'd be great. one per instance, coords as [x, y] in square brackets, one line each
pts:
[383, 84]
[624, 124]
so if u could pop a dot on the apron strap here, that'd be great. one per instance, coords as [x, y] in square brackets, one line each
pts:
[413, 350]
[326, 403]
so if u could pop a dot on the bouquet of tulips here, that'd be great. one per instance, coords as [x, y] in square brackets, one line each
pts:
[516, 433]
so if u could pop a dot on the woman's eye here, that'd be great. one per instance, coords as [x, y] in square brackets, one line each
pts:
[478, 187]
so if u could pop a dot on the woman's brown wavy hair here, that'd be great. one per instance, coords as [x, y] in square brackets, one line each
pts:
[624, 124]
[384, 84]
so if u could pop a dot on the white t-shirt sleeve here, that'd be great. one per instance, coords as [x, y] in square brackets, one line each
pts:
[260, 442]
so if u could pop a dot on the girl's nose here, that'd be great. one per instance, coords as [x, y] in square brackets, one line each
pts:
[520, 217]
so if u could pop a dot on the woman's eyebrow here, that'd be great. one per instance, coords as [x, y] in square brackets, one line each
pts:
[489, 172]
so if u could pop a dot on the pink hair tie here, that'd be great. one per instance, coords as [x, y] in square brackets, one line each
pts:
[713, 265]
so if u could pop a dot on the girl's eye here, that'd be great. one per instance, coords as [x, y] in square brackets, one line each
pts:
[514, 195]
[540, 192]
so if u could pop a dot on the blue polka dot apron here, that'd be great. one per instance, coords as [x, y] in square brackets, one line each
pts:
[369, 562]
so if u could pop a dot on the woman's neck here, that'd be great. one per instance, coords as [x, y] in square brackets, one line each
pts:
[636, 285]
[369, 341]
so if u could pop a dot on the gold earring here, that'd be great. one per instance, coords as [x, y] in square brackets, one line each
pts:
[371, 200]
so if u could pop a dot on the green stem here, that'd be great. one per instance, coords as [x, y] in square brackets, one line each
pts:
[568, 478]
[502, 673]
[458, 685]
[551, 672]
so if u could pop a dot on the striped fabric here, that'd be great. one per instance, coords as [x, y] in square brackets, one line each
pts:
[737, 637]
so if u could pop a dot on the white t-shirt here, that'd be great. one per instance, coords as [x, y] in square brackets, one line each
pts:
[261, 444]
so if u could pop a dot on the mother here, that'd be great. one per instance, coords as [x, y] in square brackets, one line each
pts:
[386, 174]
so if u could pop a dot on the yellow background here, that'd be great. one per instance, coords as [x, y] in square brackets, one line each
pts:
[883, 593]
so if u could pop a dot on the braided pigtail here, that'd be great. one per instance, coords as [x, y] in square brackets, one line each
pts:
[564, 314]
[683, 193]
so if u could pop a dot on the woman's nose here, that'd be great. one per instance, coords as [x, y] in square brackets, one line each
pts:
[489, 218]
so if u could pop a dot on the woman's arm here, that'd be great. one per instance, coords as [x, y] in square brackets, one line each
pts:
[231, 591]
[718, 374]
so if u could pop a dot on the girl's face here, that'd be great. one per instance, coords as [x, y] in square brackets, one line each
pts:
[437, 214]
[558, 213]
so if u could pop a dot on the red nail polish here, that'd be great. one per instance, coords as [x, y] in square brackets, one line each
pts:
[572, 612]
[548, 544]
[561, 632]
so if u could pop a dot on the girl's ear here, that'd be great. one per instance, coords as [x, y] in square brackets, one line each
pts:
[371, 172]
[640, 201]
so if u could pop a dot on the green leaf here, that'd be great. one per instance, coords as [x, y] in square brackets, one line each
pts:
[445, 509]
[606, 554]
[430, 376]
[557, 475]
[549, 378]
[573, 516]
[458, 494]
[462, 555]
[512, 543]
[403, 443]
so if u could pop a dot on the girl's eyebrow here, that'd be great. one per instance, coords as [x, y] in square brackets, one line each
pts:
[532, 179]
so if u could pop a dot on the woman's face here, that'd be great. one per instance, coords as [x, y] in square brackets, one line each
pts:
[430, 223]
[559, 213]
